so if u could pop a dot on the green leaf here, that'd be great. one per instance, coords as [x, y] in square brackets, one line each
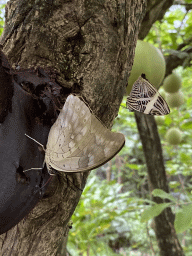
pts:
[174, 184]
[162, 194]
[153, 211]
[187, 126]
[185, 158]
[183, 219]
[132, 166]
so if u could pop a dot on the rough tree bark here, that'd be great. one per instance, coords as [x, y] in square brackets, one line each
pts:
[89, 47]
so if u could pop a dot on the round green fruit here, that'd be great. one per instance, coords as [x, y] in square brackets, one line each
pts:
[148, 60]
[160, 120]
[172, 83]
[175, 100]
[173, 136]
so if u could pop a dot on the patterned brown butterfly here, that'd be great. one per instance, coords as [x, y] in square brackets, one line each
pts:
[78, 141]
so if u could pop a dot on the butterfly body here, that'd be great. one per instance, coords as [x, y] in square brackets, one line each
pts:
[145, 98]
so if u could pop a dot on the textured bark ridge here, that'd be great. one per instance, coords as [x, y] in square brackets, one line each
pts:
[89, 48]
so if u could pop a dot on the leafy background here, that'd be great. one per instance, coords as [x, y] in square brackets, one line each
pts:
[115, 213]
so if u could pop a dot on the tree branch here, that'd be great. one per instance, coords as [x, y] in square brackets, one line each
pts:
[155, 11]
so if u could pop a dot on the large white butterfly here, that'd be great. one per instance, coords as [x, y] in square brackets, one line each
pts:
[78, 141]
[145, 98]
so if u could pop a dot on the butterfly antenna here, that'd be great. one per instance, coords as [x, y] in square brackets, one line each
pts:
[35, 141]
[32, 169]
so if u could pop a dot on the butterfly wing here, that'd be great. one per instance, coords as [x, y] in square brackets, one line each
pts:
[157, 106]
[146, 99]
[78, 141]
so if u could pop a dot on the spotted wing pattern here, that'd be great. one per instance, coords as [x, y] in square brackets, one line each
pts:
[145, 98]
[78, 141]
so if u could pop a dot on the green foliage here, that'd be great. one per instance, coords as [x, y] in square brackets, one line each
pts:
[102, 215]
[183, 218]
[2, 7]
[173, 29]
[163, 195]
[153, 211]
[156, 209]
[183, 214]
[93, 216]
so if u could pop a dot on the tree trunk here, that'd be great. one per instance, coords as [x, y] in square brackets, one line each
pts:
[164, 223]
[88, 46]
